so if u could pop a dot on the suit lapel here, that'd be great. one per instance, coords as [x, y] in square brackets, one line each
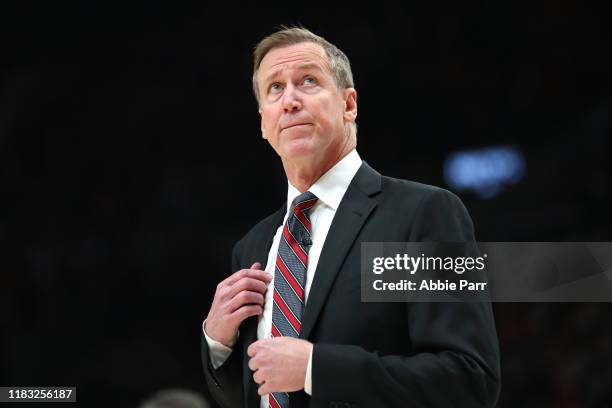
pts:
[354, 209]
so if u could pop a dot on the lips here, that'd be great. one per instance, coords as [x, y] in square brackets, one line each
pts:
[295, 124]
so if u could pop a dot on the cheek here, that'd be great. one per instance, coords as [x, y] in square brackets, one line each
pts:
[330, 112]
[265, 121]
[329, 118]
[268, 122]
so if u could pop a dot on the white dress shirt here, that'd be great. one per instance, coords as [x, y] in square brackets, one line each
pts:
[329, 189]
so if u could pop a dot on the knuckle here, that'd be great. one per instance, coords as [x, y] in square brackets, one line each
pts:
[248, 310]
[221, 288]
[235, 290]
[238, 300]
[254, 286]
[221, 295]
[238, 315]
[237, 276]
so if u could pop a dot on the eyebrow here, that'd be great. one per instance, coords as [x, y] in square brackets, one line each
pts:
[305, 66]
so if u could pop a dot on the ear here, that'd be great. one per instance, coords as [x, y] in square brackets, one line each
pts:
[350, 104]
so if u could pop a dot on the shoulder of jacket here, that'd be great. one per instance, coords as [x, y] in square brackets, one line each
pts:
[413, 187]
[258, 229]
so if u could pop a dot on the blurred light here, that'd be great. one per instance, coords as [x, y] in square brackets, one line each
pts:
[485, 171]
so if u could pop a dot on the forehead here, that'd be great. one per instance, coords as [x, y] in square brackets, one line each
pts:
[293, 56]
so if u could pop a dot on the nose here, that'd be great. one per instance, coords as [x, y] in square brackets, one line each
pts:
[291, 101]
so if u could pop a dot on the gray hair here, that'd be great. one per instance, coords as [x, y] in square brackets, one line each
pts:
[286, 36]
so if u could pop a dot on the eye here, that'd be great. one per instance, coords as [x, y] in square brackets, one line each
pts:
[275, 87]
[310, 81]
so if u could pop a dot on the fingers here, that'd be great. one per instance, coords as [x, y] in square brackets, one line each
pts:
[250, 280]
[258, 377]
[246, 311]
[253, 348]
[246, 284]
[245, 297]
[265, 386]
[253, 366]
[254, 272]
[258, 363]
[264, 389]
[237, 298]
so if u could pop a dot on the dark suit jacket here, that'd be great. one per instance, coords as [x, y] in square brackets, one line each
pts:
[375, 354]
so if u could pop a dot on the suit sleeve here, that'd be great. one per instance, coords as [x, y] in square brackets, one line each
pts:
[225, 382]
[453, 358]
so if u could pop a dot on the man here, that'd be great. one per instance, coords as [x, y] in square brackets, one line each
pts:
[288, 327]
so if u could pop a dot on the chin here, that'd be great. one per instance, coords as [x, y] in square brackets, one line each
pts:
[297, 149]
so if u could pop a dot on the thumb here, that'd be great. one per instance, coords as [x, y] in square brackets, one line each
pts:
[256, 265]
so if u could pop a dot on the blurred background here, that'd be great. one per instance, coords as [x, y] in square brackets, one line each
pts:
[129, 134]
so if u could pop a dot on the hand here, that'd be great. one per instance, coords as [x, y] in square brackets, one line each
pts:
[279, 364]
[239, 296]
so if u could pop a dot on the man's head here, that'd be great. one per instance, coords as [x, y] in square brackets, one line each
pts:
[307, 103]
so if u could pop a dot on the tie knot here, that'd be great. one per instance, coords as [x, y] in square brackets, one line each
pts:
[304, 201]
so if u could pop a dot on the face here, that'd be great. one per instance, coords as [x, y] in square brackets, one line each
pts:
[304, 116]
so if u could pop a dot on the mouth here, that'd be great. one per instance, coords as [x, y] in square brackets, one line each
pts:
[297, 125]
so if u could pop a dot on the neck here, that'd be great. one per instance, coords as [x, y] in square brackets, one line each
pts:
[302, 174]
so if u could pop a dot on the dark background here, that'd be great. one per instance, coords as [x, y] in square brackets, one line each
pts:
[129, 142]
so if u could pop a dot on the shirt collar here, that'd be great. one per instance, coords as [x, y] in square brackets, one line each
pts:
[332, 185]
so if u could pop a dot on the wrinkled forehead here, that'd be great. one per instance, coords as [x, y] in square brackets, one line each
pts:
[304, 54]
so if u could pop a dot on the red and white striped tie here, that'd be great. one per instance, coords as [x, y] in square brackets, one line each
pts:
[290, 278]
